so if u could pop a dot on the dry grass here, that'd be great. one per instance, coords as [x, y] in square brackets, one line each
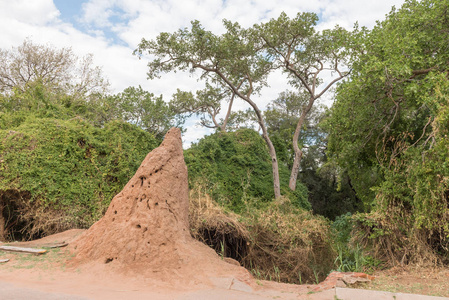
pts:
[27, 220]
[289, 244]
[280, 242]
[220, 230]
[390, 240]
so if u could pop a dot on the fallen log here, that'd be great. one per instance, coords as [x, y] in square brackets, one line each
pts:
[23, 250]
[58, 245]
[4, 260]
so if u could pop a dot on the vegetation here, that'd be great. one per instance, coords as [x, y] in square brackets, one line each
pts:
[388, 130]
[65, 172]
[278, 241]
[234, 168]
[57, 69]
[63, 155]
[356, 187]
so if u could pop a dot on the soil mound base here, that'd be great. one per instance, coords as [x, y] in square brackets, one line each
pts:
[146, 229]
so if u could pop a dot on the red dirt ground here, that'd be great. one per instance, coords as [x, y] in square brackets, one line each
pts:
[51, 273]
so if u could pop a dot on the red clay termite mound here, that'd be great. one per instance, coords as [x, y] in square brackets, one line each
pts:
[146, 227]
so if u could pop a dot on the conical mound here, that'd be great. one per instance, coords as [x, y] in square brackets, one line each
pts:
[145, 228]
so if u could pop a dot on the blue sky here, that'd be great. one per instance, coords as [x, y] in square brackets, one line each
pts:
[70, 10]
[112, 29]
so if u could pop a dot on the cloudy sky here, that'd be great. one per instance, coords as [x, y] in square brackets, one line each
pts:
[111, 30]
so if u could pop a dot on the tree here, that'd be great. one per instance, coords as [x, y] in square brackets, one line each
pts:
[207, 104]
[232, 60]
[59, 69]
[281, 117]
[295, 47]
[144, 109]
[388, 130]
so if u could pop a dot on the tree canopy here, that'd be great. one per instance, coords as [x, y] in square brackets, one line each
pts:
[240, 61]
[295, 47]
[59, 69]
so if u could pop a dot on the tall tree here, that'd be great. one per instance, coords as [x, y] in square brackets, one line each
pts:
[295, 47]
[232, 60]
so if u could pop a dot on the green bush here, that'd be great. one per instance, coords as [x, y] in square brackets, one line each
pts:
[68, 167]
[236, 168]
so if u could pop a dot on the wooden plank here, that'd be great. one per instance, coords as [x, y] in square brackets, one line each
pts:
[4, 260]
[23, 250]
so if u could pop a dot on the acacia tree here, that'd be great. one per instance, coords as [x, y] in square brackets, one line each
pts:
[295, 47]
[232, 60]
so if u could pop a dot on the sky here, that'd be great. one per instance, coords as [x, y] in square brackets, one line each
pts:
[112, 29]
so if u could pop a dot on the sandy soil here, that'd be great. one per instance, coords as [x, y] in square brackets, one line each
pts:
[432, 281]
[52, 272]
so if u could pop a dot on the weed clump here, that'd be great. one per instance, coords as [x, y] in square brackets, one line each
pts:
[289, 244]
[394, 243]
[276, 242]
[217, 228]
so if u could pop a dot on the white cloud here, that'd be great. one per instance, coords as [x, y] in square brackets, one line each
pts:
[347, 12]
[36, 12]
[97, 13]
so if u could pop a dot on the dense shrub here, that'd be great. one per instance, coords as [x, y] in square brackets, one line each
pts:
[236, 168]
[69, 171]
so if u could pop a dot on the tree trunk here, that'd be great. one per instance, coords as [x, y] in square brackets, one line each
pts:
[298, 152]
[2, 224]
[274, 164]
[271, 150]
[228, 114]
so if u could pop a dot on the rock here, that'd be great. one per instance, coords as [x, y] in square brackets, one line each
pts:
[341, 279]
[354, 278]
[238, 285]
